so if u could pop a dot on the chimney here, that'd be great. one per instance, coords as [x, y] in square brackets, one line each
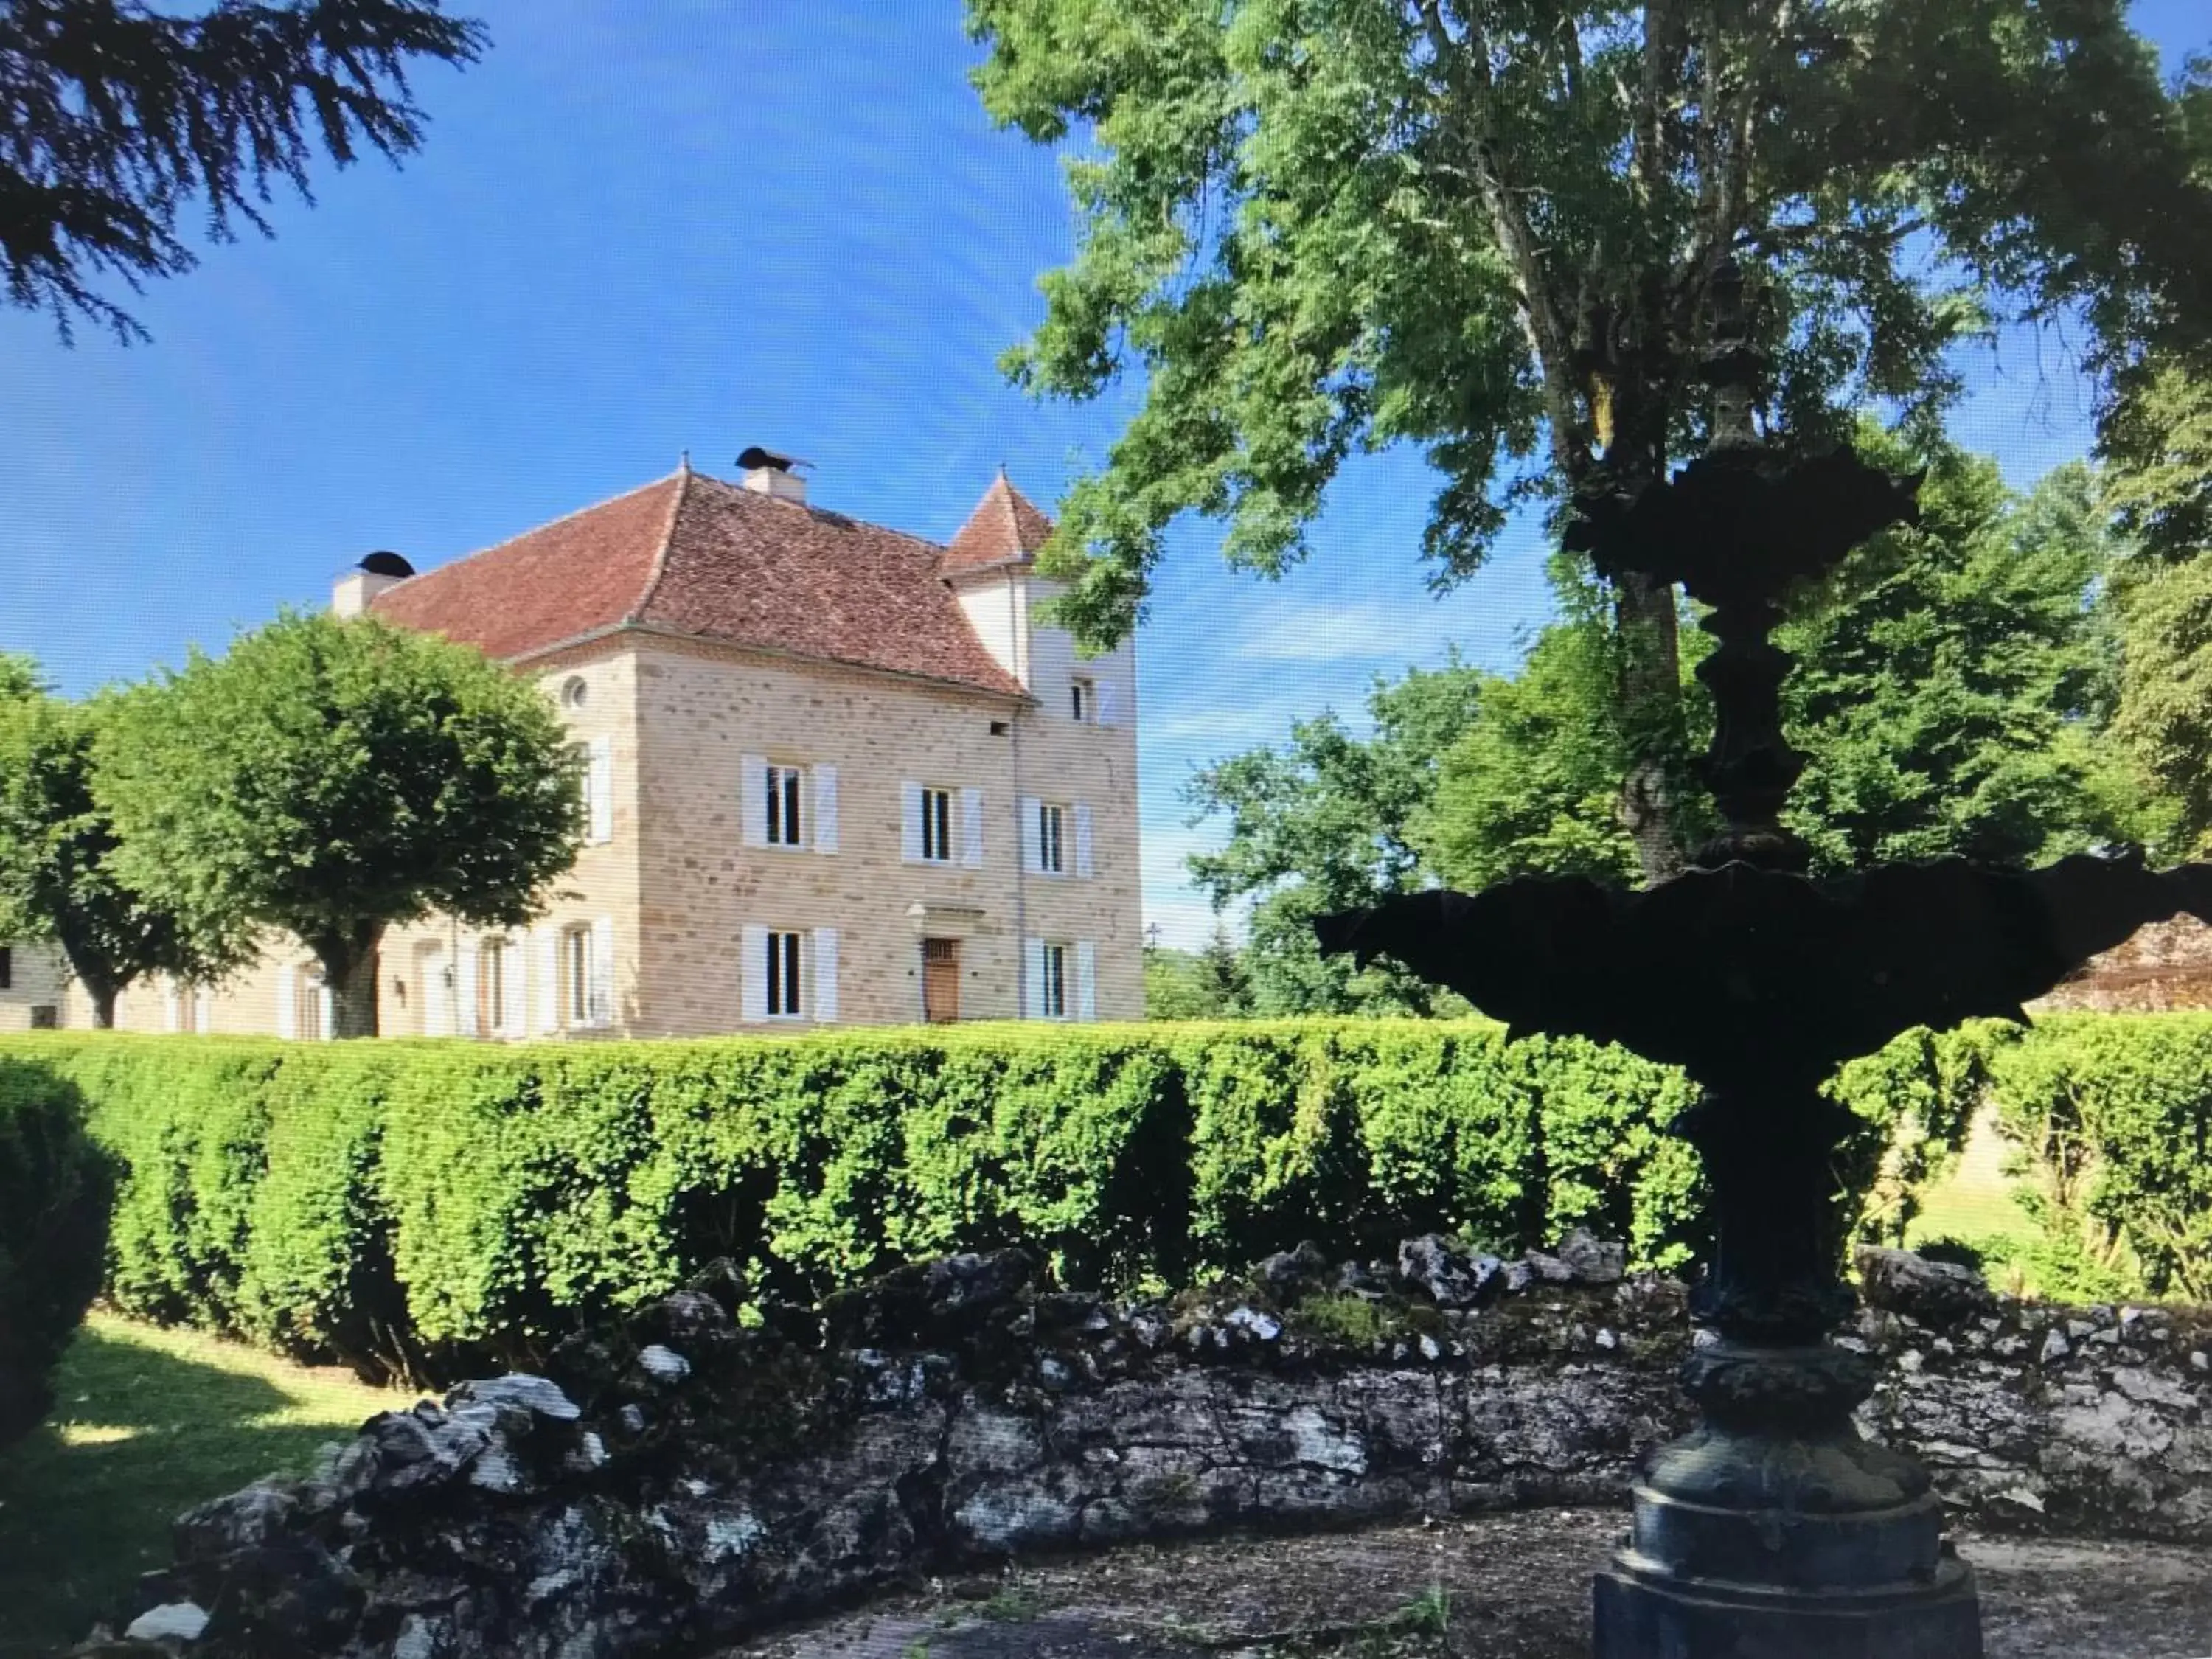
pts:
[768, 473]
[361, 584]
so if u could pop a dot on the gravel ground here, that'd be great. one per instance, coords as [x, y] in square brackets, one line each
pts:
[1493, 1587]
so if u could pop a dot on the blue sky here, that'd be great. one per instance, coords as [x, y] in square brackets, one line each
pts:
[643, 227]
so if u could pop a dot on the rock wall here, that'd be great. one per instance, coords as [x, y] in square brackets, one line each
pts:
[688, 1479]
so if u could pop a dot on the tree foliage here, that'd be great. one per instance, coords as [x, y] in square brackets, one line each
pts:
[1952, 695]
[1317, 227]
[1204, 984]
[1950, 678]
[118, 115]
[331, 778]
[59, 879]
[1324, 824]
[2164, 715]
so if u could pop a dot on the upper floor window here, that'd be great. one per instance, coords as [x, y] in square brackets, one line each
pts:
[595, 782]
[784, 805]
[936, 825]
[7, 967]
[1052, 838]
[574, 693]
[783, 826]
[1083, 698]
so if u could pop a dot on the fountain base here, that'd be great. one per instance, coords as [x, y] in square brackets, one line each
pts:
[1774, 1531]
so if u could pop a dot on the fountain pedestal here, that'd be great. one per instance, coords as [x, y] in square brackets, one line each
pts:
[1773, 1531]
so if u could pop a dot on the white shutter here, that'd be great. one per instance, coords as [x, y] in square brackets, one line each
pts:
[172, 1008]
[825, 808]
[971, 828]
[752, 799]
[202, 1010]
[1082, 838]
[825, 973]
[1032, 836]
[1033, 979]
[1110, 704]
[465, 988]
[601, 993]
[547, 941]
[910, 823]
[599, 788]
[288, 1006]
[752, 970]
[1086, 980]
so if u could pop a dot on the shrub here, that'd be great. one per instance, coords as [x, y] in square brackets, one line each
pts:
[412, 1207]
[54, 1189]
[2110, 1116]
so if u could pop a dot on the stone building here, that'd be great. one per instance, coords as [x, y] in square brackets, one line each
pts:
[834, 775]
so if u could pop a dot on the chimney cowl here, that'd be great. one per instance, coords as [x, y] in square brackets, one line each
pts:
[769, 473]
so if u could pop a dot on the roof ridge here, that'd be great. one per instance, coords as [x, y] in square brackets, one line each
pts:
[817, 511]
[684, 476]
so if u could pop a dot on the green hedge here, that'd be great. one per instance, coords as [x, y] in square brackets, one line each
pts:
[55, 1191]
[413, 1206]
[2109, 1120]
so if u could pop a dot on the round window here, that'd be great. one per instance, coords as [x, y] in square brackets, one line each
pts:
[573, 693]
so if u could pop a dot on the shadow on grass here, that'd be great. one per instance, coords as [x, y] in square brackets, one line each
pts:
[146, 1424]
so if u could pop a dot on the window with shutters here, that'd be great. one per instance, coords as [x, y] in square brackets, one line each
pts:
[1052, 993]
[782, 971]
[783, 825]
[1052, 838]
[936, 825]
[46, 1017]
[1083, 699]
[576, 975]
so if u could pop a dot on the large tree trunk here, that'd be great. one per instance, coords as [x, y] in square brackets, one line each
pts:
[1651, 712]
[349, 968]
[103, 1007]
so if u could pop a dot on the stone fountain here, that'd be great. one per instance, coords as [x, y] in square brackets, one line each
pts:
[1773, 1529]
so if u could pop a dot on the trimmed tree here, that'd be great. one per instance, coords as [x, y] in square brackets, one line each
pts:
[118, 115]
[1322, 227]
[334, 778]
[59, 875]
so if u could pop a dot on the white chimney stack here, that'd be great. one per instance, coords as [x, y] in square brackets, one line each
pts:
[767, 473]
[359, 585]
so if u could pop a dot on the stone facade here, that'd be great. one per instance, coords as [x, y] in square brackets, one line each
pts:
[686, 1480]
[666, 924]
[2167, 965]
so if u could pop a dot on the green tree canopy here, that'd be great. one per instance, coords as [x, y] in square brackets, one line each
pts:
[2163, 722]
[59, 875]
[117, 114]
[1204, 984]
[333, 778]
[1489, 230]
[1324, 824]
[1951, 693]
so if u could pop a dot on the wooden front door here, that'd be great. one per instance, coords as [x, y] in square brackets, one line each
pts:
[940, 980]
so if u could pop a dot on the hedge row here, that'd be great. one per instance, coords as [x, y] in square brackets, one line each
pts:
[410, 1205]
[55, 1190]
[417, 1205]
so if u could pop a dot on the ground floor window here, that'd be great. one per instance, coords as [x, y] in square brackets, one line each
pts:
[576, 975]
[1053, 992]
[782, 975]
[495, 976]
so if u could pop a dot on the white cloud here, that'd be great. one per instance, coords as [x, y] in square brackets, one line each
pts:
[1316, 631]
[1183, 913]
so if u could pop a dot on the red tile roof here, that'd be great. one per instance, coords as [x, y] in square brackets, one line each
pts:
[1002, 528]
[692, 555]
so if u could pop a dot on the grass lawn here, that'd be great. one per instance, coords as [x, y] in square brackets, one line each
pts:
[147, 1423]
[1975, 1200]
